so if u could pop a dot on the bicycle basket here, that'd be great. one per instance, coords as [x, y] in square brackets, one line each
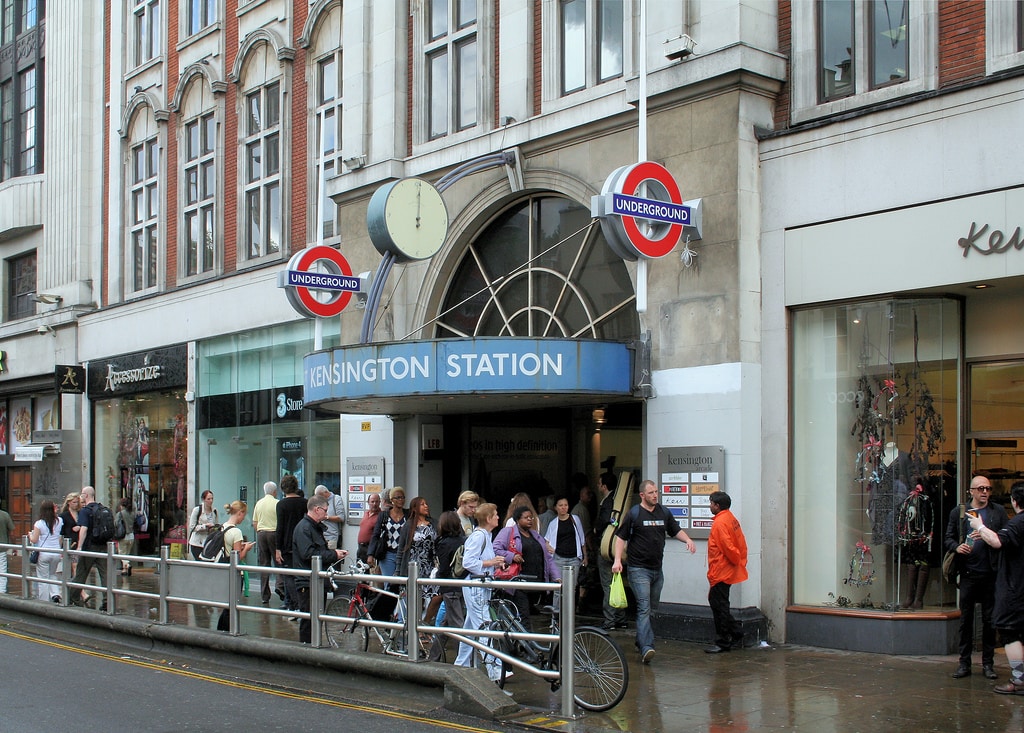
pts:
[382, 608]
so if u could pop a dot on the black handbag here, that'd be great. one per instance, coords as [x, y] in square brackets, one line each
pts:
[950, 570]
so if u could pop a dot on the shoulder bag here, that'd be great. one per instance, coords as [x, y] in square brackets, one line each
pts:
[950, 571]
[513, 569]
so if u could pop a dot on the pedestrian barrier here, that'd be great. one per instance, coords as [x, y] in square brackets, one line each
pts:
[197, 583]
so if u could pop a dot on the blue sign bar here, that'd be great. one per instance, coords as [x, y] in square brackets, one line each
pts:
[664, 211]
[468, 366]
[322, 281]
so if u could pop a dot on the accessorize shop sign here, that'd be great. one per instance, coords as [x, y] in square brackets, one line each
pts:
[140, 372]
[468, 366]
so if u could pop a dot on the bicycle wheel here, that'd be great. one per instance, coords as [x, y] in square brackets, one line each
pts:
[601, 674]
[338, 632]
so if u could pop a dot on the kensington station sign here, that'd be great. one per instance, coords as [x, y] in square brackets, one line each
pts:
[467, 366]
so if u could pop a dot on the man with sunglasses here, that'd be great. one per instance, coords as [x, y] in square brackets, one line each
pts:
[977, 564]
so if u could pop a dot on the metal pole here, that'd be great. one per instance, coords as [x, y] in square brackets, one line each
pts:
[567, 627]
[108, 592]
[25, 552]
[315, 600]
[234, 595]
[412, 613]
[65, 571]
[165, 584]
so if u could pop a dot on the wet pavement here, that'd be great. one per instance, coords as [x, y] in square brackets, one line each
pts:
[772, 687]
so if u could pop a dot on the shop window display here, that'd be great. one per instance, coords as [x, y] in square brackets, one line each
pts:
[875, 436]
[141, 445]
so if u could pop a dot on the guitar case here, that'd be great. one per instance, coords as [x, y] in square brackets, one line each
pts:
[622, 500]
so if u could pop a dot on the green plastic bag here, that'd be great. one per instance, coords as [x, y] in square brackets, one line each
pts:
[617, 592]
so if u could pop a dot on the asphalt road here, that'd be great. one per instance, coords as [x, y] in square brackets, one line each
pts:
[48, 686]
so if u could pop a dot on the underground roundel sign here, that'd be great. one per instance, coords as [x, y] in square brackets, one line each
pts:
[642, 212]
[319, 282]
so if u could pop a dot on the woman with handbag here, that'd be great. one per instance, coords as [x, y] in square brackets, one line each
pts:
[126, 545]
[565, 534]
[383, 550]
[204, 518]
[45, 535]
[479, 561]
[417, 544]
[525, 553]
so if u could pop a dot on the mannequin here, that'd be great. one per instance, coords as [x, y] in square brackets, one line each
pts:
[890, 453]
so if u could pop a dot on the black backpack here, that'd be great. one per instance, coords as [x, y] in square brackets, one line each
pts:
[120, 530]
[101, 527]
[213, 546]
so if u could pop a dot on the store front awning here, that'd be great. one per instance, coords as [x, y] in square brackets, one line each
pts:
[454, 376]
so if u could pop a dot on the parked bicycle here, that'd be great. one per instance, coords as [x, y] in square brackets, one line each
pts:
[601, 674]
[367, 602]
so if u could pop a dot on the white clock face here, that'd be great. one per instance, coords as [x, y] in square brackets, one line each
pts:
[407, 218]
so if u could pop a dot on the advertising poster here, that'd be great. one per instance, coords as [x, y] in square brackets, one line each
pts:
[291, 460]
[21, 422]
[3, 427]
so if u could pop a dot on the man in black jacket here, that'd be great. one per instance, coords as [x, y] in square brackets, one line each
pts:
[290, 510]
[977, 564]
[308, 541]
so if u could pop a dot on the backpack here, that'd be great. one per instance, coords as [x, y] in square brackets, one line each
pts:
[101, 527]
[120, 531]
[457, 570]
[213, 546]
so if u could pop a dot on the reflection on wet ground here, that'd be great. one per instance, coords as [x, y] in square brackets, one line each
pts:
[768, 688]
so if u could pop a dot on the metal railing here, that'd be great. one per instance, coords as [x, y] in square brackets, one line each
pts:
[200, 583]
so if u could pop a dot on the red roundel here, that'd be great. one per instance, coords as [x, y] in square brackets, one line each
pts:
[333, 262]
[636, 176]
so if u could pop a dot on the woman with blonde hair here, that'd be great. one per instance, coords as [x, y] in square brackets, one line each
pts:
[522, 499]
[69, 518]
[234, 541]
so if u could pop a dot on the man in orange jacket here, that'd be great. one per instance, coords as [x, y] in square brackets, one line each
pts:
[727, 565]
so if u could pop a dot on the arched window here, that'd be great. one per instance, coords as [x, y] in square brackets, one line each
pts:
[143, 240]
[326, 147]
[540, 269]
[201, 252]
[260, 127]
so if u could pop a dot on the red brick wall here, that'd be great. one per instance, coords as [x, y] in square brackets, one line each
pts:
[785, 48]
[229, 201]
[302, 229]
[961, 41]
[537, 60]
[105, 222]
[170, 161]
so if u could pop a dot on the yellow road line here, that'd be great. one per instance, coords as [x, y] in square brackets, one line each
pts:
[246, 686]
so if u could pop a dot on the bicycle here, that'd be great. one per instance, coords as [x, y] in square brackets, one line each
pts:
[601, 673]
[368, 602]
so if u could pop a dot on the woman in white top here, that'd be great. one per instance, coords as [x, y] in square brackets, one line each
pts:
[565, 535]
[478, 559]
[234, 540]
[203, 519]
[45, 535]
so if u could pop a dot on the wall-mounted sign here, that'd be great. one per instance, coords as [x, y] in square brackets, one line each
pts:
[364, 476]
[69, 379]
[145, 371]
[687, 478]
[316, 270]
[642, 212]
[475, 366]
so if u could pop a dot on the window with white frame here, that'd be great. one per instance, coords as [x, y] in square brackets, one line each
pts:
[144, 212]
[146, 29]
[591, 42]
[852, 53]
[328, 136]
[199, 14]
[200, 193]
[262, 159]
[1004, 36]
[452, 67]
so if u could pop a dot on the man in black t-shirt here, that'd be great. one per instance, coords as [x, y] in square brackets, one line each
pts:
[85, 543]
[644, 529]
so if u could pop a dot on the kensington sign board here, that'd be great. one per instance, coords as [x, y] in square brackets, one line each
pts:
[642, 212]
[321, 269]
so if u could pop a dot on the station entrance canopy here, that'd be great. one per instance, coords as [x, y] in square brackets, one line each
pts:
[453, 376]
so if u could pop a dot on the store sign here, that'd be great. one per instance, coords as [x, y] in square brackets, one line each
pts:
[69, 379]
[642, 212]
[995, 243]
[316, 270]
[140, 372]
[468, 366]
[687, 478]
